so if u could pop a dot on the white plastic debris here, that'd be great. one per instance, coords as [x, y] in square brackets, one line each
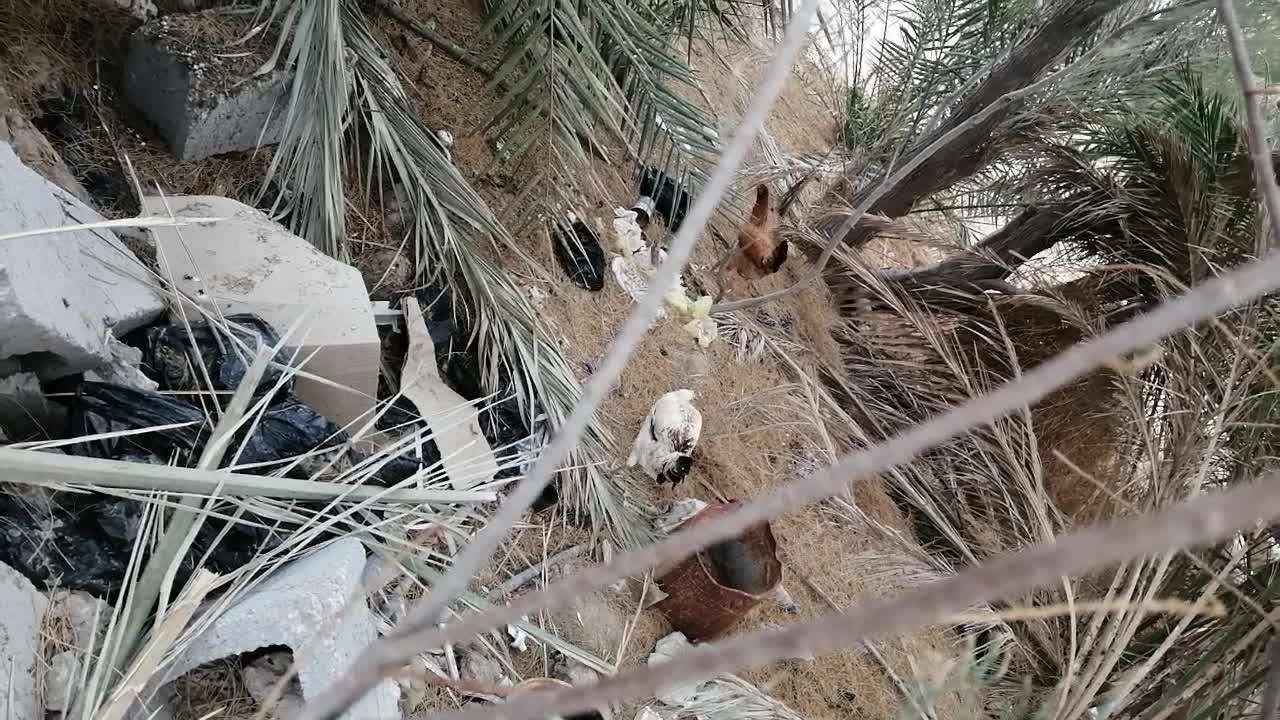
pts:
[681, 510]
[519, 638]
[667, 648]
[648, 713]
[633, 269]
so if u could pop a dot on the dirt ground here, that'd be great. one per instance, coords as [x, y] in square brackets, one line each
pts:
[754, 432]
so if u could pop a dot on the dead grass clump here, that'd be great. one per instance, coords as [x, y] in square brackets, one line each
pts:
[213, 690]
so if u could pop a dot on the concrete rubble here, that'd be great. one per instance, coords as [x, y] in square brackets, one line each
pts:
[61, 681]
[174, 87]
[21, 612]
[251, 264]
[305, 606]
[667, 648]
[63, 294]
[87, 618]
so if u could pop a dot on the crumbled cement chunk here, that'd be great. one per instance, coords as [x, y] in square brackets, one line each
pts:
[21, 612]
[249, 263]
[87, 615]
[143, 10]
[124, 368]
[667, 648]
[63, 293]
[480, 666]
[174, 88]
[306, 606]
[61, 681]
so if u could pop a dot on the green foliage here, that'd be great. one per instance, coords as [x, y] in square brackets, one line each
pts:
[573, 74]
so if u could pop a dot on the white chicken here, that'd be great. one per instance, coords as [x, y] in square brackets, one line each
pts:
[664, 446]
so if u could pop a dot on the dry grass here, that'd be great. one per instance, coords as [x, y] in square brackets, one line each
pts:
[213, 688]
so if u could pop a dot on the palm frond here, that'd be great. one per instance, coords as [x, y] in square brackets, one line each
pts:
[592, 72]
[449, 232]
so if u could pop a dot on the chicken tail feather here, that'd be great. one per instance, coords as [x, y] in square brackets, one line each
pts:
[760, 212]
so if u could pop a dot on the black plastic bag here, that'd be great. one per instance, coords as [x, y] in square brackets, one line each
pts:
[83, 541]
[670, 197]
[285, 431]
[578, 249]
[169, 358]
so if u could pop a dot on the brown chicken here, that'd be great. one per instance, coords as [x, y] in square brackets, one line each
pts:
[759, 252]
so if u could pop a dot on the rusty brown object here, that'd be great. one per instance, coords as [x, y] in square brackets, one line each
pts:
[709, 592]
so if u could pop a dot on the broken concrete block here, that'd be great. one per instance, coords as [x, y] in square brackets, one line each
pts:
[306, 606]
[63, 293]
[21, 612]
[667, 648]
[124, 368]
[61, 681]
[87, 615]
[182, 87]
[249, 264]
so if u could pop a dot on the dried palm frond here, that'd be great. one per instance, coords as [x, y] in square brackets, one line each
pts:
[1157, 196]
[576, 75]
[450, 228]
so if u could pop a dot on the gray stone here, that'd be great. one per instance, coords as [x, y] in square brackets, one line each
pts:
[21, 612]
[200, 114]
[87, 615]
[667, 648]
[62, 293]
[124, 368]
[306, 607]
[61, 682]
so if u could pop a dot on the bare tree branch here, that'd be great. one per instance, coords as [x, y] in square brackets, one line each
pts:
[1206, 301]
[1251, 87]
[388, 654]
[1203, 520]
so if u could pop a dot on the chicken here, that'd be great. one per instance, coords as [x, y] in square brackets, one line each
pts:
[759, 252]
[664, 446]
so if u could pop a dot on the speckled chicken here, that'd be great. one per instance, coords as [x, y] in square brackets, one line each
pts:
[667, 438]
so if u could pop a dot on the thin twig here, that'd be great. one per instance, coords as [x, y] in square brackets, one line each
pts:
[1204, 520]
[515, 582]
[1259, 150]
[1214, 296]
[388, 653]
[448, 47]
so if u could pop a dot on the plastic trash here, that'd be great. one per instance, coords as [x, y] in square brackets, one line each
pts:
[169, 357]
[83, 541]
[285, 431]
[671, 197]
[578, 250]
